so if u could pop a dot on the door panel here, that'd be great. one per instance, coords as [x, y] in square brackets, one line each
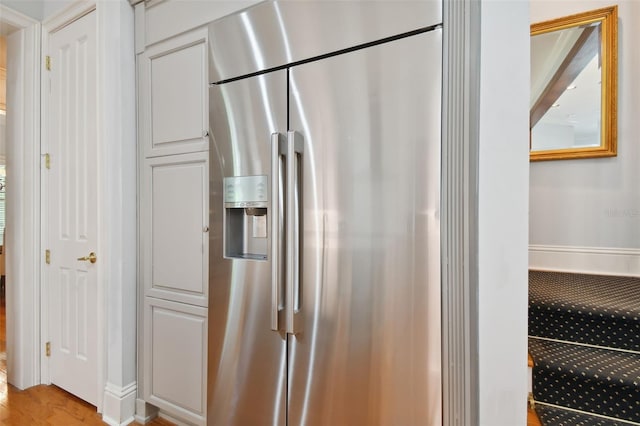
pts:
[369, 350]
[175, 378]
[176, 216]
[72, 221]
[247, 359]
[174, 88]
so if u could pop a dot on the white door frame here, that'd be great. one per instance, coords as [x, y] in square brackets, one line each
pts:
[23, 259]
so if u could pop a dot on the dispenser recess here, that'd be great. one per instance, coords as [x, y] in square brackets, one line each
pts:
[246, 217]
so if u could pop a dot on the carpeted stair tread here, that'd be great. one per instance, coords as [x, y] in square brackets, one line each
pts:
[553, 416]
[591, 309]
[594, 380]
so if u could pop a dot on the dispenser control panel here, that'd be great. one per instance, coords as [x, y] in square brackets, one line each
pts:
[245, 191]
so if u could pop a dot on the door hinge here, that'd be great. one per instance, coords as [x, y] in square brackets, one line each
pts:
[47, 256]
[47, 62]
[47, 161]
[47, 349]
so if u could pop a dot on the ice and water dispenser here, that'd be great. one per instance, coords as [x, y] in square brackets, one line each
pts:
[246, 218]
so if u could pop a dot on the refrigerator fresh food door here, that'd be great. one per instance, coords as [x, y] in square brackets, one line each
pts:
[247, 359]
[367, 302]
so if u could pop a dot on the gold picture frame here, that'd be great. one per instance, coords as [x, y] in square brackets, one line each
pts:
[594, 28]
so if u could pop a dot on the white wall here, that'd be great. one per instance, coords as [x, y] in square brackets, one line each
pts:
[22, 240]
[502, 212]
[117, 135]
[594, 203]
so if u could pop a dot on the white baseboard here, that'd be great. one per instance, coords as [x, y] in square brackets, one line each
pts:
[173, 420]
[119, 404]
[587, 260]
[145, 412]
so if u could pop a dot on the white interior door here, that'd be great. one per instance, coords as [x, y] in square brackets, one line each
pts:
[72, 216]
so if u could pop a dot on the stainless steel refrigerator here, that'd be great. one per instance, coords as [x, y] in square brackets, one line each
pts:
[325, 124]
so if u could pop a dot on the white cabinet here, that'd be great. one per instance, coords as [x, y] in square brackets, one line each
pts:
[173, 123]
[173, 87]
[175, 365]
[175, 216]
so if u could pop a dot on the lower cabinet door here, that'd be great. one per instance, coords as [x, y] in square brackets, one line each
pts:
[175, 358]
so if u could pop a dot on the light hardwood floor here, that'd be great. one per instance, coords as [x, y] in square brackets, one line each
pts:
[43, 405]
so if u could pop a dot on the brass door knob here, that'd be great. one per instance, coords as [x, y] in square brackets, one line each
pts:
[91, 258]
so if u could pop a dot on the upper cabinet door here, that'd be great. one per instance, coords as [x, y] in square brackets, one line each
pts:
[173, 83]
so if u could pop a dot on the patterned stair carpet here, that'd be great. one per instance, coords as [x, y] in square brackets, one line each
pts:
[592, 309]
[586, 379]
[575, 310]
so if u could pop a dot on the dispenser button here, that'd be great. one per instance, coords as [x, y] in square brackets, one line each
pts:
[259, 226]
[245, 189]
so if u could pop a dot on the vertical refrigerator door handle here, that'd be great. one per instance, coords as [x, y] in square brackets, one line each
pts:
[294, 223]
[278, 150]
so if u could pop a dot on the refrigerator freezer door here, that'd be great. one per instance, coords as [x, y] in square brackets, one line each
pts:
[247, 360]
[368, 352]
